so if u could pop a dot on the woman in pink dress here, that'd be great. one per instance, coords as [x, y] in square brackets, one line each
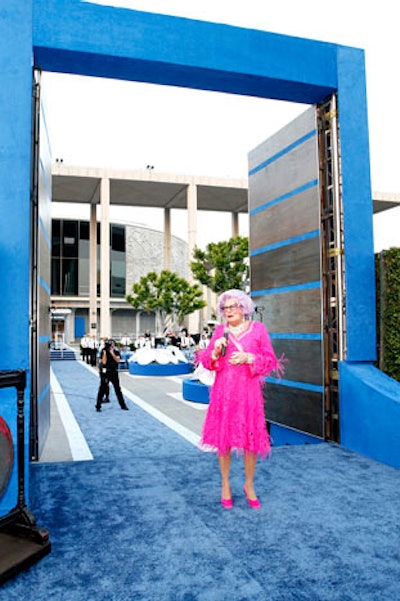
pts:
[241, 354]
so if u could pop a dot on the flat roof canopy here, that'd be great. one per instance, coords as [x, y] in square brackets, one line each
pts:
[147, 188]
[384, 201]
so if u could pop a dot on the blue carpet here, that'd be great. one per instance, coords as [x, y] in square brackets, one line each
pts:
[142, 521]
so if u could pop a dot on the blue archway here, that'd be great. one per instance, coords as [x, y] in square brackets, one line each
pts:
[70, 36]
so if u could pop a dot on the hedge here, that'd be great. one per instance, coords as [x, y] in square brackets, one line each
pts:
[387, 269]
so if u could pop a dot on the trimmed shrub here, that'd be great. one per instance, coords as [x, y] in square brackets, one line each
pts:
[387, 265]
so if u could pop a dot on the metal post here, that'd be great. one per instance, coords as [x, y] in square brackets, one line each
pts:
[337, 213]
[332, 262]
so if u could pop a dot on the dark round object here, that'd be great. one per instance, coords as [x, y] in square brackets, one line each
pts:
[6, 455]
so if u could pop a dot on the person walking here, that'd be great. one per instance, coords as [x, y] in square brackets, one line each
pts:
[204, 340]
[104, 382]
[109, 359]
[93, 348]
[85, 348]
[125, 341]
[241, 354]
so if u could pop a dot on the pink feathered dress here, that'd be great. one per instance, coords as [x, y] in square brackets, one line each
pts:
[235, 419]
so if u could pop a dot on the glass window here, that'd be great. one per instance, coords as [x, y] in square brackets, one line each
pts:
[84, 244]
[118, 277]
[56, 237]
[84, 230]
[70, 259]
[69, 277]
[55, 276]
[118, 238]
[83, 276]
[117, 259]
[70, 239]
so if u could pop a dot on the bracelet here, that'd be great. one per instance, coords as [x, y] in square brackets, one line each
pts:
[250, 358]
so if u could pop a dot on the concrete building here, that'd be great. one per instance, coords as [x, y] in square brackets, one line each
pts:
[134, 251]
[96, 261]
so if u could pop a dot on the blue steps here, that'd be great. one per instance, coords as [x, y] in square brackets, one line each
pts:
[65, 355]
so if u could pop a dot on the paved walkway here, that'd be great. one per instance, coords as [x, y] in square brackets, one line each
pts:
[161, 397]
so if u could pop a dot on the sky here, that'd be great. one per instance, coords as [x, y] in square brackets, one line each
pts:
[127, 125]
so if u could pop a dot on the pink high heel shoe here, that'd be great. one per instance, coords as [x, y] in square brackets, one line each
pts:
[253, 503]
[227, 503]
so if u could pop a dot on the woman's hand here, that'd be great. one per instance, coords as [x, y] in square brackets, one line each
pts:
[239, 358]
[218, 345]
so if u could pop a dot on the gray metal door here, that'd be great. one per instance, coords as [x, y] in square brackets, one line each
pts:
[40, 275]
[285, 267]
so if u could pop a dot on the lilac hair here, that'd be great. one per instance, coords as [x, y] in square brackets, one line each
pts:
[242, 298]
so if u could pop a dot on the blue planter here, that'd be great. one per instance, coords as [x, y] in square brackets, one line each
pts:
[193, 390]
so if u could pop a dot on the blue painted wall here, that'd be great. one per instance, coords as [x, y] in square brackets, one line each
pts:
[370, 412]
[76, 37]
[357, 207]
[15, 147]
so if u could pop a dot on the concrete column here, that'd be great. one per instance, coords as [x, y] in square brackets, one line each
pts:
[191, 196]
[235, 225]
[67, 329]
[167, 239]
[105, 320]
[93, 271]
[71, 327]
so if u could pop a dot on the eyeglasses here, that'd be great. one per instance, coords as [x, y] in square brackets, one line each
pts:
[230, 307]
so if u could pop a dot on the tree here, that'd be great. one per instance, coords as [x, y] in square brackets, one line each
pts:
[166, 294]
[223, 265]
